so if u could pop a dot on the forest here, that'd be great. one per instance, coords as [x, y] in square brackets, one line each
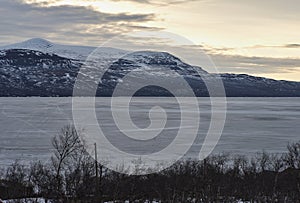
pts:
[72, 175]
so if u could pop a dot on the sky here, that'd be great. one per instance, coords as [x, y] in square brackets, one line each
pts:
[246, 36]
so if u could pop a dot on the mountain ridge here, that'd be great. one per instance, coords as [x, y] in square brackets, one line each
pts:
[69, 51]
[38, 67]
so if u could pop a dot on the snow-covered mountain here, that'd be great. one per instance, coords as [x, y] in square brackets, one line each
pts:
[38, 67]
[68, 51]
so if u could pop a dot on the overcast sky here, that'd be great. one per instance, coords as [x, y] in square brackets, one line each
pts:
[245, 36]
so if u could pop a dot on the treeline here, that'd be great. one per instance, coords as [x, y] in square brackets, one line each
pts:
[73, 176]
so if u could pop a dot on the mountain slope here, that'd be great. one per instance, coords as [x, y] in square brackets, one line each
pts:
[33, 73]
[38, 67]
[68, 51]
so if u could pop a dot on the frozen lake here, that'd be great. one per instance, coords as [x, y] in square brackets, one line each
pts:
[252, 125]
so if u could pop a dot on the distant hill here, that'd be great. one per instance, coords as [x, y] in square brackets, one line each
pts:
[38, 67]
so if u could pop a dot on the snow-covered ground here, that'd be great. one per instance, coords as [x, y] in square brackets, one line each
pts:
[253, 124]
[41, 200]
[27, 200]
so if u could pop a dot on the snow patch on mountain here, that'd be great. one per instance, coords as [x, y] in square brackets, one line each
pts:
[67, 51]
[38, 67]
[35, 43]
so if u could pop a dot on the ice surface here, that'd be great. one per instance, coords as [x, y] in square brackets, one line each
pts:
[253, 124]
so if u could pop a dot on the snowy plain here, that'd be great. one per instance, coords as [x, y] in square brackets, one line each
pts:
[252, 125]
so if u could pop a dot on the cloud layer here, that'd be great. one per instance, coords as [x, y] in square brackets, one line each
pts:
[21, 20]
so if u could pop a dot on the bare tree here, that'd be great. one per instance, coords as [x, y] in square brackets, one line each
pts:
[80, 178]
[276, 162]
[67, 146]
[42, 179]
[263, 160]
[17, 180]
[292, 158]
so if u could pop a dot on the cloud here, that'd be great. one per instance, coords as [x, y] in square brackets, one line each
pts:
[292, 46]
[223, 50]
[23, 20]
[226, 60]
[160, 2]
[275, 46]
[136, 1]
[148, 2]
[248, 64]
